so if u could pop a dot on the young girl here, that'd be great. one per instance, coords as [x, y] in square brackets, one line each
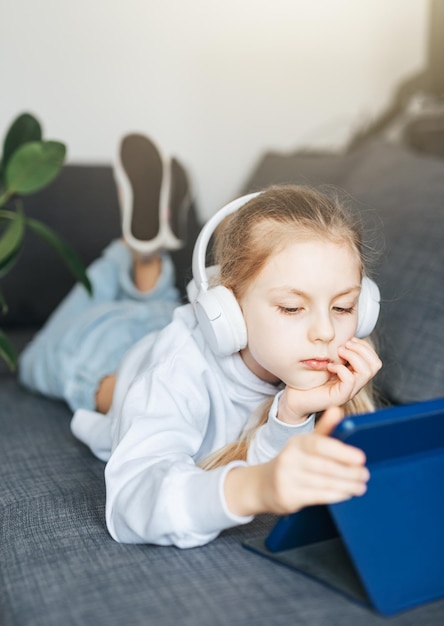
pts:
[196, 442]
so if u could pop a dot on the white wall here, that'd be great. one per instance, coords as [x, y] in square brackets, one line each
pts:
[215, 83]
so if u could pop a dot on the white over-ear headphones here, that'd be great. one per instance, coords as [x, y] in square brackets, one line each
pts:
[217, 310]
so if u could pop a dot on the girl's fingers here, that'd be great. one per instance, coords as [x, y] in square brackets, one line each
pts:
[329, 420]
[330, 472]
[362, 363]
[345, 374]
[344, 386]
[336, 485]
[334, 481]
[361, 356]
[322, 449]
[312, 498]
[316, 469]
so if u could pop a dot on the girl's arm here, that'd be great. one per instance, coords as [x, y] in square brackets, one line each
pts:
[310, 469]
[154, 491]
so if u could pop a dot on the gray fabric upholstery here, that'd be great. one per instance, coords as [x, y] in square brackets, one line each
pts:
[405, 193]
[400, 195]
[304, 168]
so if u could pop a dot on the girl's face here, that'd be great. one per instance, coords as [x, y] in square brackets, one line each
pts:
[299, 309]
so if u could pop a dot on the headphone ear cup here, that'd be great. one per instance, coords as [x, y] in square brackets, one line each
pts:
[368, 307]
[221, 321]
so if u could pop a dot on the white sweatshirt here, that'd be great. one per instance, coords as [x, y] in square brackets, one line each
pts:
[176, 402]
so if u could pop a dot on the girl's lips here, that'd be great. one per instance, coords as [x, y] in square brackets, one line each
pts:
[316, 364]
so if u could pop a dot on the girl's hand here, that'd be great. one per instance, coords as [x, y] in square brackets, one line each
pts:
[359, 365]
[310, 469]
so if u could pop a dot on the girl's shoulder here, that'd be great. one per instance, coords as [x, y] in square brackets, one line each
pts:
[181, 331]
[184, 315]
[180, 338]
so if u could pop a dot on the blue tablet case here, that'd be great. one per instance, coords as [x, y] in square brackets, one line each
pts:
[384, 549]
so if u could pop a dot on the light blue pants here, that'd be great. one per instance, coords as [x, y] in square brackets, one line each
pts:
[86, 337]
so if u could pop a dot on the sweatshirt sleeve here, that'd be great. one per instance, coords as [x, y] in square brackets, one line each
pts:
[274, 434]
[155, 492]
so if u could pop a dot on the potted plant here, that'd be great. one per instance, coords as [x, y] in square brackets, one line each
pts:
[28, 164]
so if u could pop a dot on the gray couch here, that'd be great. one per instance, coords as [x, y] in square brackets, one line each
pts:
[58, 565]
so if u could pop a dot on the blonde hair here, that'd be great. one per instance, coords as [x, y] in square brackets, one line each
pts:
[247, 239]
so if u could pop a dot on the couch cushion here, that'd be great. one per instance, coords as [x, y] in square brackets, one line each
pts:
[402, 194]
[304, 168]
[401, 197]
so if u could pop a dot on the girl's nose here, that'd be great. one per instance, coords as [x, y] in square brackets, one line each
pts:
[321, 328]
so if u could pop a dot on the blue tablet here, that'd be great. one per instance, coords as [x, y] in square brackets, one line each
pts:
[385, 548]
[395, 431]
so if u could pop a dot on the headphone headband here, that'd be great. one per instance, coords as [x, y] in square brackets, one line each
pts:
[199, 253]
[217, 310]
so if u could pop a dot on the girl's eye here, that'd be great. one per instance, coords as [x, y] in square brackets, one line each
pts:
[343, 310]
[289, 310]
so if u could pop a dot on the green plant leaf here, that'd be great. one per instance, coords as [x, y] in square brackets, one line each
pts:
[11, 239]
[33, 165]
[7, 352]
[68, 255]
[7, 214]
[23, 129]
[4, 197]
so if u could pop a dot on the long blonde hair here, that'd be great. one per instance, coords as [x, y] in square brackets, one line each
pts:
[250, 236]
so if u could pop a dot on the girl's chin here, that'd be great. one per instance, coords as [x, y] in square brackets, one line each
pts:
[309, 381]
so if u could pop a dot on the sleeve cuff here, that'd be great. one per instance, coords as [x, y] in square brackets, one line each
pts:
[272, 436]
[203, 498]
[237, 519]
[279, 431]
